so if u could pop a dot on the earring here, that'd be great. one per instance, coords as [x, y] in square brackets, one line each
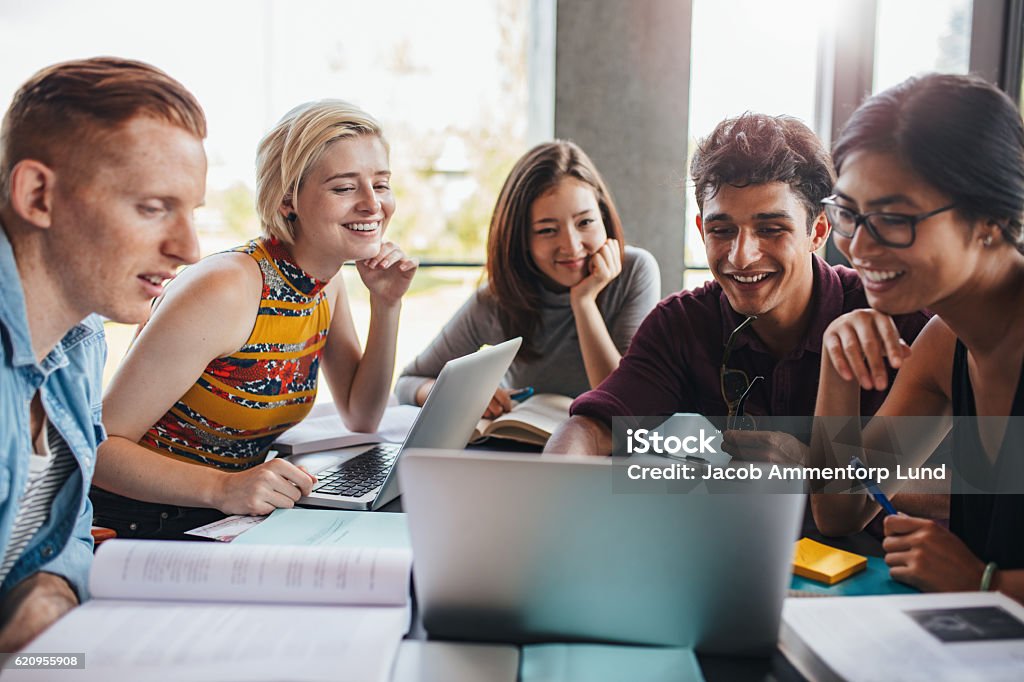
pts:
[291, 217]
[987, 241]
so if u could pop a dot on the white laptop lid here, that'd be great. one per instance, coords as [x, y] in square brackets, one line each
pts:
[458, 399]
[528, 548]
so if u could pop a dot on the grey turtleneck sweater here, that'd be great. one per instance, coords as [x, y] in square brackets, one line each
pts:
[624, 304]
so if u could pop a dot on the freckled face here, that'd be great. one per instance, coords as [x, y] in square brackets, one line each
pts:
[124, 225]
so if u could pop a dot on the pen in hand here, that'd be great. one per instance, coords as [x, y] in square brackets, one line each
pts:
[873, 488]
[521, 394]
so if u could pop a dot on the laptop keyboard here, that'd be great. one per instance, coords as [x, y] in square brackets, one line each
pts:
[359, 475]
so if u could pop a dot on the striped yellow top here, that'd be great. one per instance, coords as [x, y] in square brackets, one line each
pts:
[242, 402]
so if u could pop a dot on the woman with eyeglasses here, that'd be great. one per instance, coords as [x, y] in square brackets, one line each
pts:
[559, 274]
[928, 207]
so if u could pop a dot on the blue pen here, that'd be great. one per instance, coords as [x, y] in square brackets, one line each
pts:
[522, 394]
[873, 488]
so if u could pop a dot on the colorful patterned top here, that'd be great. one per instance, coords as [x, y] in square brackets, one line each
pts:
[242, 402]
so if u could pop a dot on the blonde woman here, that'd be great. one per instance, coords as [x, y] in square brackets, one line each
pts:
[230, 356]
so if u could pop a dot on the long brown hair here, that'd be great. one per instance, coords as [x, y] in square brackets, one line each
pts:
[513, 279]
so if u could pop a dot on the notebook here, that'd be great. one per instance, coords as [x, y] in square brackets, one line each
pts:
[419, 661]
[608, 663]
[947, 636]
[363, 480]
[194, 611]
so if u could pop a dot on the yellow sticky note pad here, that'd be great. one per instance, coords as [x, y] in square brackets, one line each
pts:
[825, 564]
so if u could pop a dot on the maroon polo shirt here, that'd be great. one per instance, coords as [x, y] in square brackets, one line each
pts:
[673, 363]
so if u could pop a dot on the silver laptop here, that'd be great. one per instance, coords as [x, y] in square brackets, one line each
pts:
[521, 548]
[365, 479]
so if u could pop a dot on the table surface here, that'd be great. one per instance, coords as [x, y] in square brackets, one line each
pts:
[776, 667]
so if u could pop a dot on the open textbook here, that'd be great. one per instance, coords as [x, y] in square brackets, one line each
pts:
[178, 611]
[531, 421]
[322, 429]
[948, 636]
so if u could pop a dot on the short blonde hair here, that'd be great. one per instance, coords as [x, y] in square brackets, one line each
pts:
[288, 151]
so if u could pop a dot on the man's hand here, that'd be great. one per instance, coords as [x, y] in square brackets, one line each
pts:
[765, 446]
[36, 603]
[580, 436]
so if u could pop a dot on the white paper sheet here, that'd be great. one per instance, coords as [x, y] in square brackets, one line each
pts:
[227, 529]
[182, 642]
[194, 571]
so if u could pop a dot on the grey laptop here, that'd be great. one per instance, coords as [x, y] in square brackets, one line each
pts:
[366, 479]
[527, 548]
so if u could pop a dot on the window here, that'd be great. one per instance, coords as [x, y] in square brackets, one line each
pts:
[452, 102]
[921, 36]
[449, 81]
[1021, 91]
[769, 57]
[747, 55]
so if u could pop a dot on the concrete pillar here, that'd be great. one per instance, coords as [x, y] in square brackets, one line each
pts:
[622, 93]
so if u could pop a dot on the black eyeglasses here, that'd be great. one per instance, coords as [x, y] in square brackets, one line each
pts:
[735, 383]
[896, 230]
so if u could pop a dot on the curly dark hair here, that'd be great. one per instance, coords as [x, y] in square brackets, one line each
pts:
[755, 149]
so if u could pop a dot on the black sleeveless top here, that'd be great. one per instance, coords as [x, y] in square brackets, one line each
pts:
[991, 525]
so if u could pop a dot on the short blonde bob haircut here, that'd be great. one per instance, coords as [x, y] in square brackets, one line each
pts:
[288, 151]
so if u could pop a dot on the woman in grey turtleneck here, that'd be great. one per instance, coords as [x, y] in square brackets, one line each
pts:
[558, 274]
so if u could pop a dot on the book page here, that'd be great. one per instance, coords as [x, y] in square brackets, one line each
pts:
[543, 413]
[480, 431]
[181, 642]
[196, 571]
[876, 638]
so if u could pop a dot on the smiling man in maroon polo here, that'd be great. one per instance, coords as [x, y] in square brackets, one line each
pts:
[759, 181]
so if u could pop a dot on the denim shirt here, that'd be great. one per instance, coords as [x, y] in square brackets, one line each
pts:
[69, 381]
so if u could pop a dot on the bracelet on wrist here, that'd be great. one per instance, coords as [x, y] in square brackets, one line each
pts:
[986, 577]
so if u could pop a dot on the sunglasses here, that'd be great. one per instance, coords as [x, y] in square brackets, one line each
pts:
[736, 385]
